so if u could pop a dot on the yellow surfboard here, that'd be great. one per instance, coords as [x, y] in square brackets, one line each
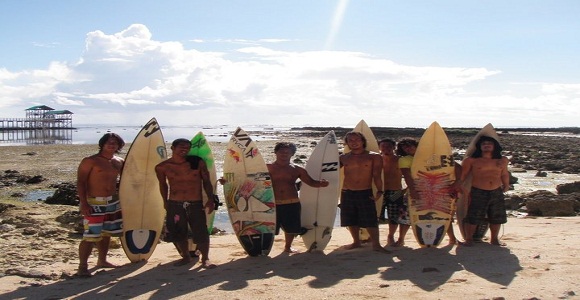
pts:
[141, 202]
[433, 173]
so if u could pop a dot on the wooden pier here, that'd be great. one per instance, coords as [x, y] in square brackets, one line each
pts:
[41, 125]
[39, 117]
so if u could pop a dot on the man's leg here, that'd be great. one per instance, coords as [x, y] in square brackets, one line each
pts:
[374, 234]
[402, 233]
[85, 249]
[289, 237]
[103, 248]
[494, 229]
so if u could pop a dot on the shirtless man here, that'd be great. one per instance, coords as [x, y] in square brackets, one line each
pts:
[99, 204]
[182, 179]
[393, 197]
[284, 176]
[357, 204]
[490, 180]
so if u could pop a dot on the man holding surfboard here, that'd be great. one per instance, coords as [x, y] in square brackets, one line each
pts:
[284, 176]
[181, 182]
[97, 189]
[490, 180]
[357, 202]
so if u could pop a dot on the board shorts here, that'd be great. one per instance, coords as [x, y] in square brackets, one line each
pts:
[180, 215]
[357, 208]
[288, 218]
[105, 220]
[486, 203]
[397, 207]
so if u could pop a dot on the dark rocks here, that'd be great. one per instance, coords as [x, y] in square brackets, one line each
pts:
[66, 194]
[12, 177]
[541, 174]
[568, 188]
[545, 203]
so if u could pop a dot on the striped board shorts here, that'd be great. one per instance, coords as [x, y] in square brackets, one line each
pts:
[105, 219]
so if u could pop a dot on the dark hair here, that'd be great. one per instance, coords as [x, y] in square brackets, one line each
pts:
[362, 137]
[110, 135]
[388, 141]
[285, 145]
[180, 141]
[496, 147]
[405, 142]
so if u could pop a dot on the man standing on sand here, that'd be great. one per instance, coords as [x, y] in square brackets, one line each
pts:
[393, 197]
[284, 176]
[99, 203]
[181, 181]
[490, 180]
[357, 202]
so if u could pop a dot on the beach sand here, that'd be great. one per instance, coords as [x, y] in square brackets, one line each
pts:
[541, 260]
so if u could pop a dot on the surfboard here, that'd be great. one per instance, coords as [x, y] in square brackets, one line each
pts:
[248, 194]
[433, 173]
[319, 204]
[141, 202]
[200, 147]
[463, 200]
[372, 146]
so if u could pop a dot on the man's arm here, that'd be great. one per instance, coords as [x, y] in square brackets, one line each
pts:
[305, 177]
[207, 186]
[83, 173]
[163, 186]
[377, 174]
[505, 175]
[466, 168]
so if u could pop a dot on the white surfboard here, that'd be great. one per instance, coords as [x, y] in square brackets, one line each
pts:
[372, 146]
[141, 202]
[319, 204]
[462, 201]
[249, 196]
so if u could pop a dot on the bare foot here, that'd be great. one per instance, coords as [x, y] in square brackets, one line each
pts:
[352, 246]
[498, 243]
[381, 249]
[291, 250]
[206, 264]
[391, 241]
[183, 262]
[467, 244]
[106, 264]
[399, 243]
[83, 271]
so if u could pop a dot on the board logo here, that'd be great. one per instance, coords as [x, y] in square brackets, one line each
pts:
[198, 144]
[330, 166]
[242, 140]
[150, 128]
[162, 152]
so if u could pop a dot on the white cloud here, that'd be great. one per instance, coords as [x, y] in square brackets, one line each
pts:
[129, 73]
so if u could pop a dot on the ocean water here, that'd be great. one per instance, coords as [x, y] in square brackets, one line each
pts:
[85, 134]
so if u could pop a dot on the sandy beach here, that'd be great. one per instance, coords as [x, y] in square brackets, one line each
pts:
[540, 262]
[40, 254]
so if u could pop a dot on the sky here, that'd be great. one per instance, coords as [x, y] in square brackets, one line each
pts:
[294, 63]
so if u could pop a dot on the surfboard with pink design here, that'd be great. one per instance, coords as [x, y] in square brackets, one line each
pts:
[433, 173]
[249, 195]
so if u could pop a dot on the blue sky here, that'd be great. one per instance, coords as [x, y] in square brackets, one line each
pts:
[326, 63]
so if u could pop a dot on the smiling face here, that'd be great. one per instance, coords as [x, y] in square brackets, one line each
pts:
[181, 149]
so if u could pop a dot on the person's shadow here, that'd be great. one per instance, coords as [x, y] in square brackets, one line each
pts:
[492, 263]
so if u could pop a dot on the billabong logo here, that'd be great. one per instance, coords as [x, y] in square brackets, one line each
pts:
[330, 166]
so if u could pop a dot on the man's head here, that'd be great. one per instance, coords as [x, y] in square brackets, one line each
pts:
[353, 136]
[405, 146]
[109, 139]
[487, 144]
[285, 145]
[180, 147]
[387, 146]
